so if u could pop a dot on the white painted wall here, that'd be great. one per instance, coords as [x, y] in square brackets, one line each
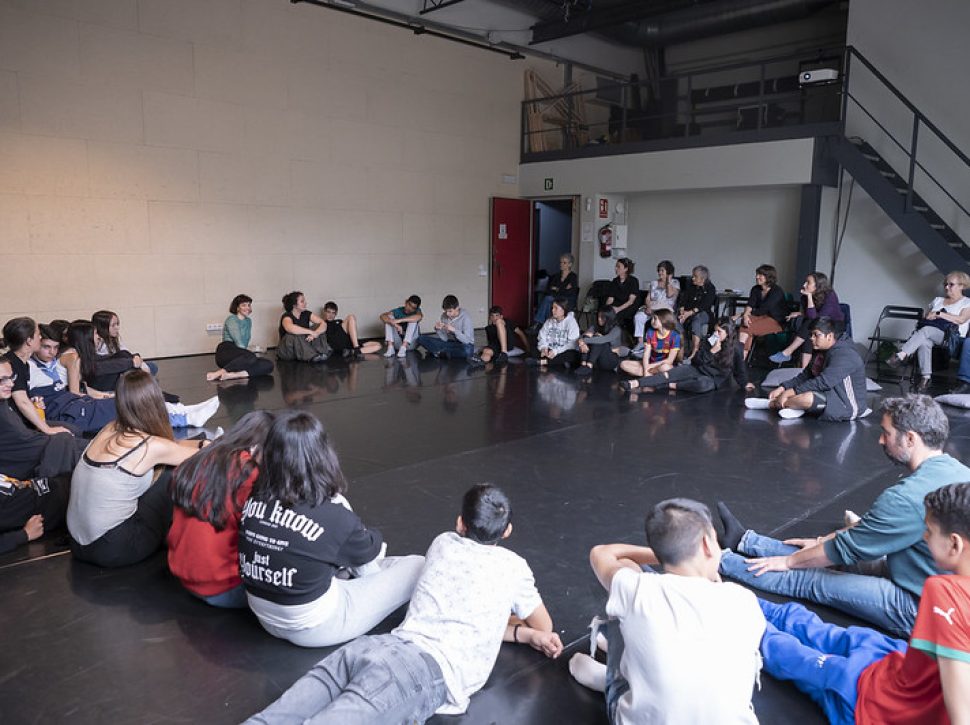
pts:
[159, 156]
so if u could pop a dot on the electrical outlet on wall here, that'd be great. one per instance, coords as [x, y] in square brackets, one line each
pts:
[214, 327]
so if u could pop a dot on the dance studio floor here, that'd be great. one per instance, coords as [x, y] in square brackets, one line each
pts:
[581, 461]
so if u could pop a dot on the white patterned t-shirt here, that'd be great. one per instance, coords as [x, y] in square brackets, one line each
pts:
[460, 609]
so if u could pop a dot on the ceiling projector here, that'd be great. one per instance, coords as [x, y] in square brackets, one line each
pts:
[819, 75]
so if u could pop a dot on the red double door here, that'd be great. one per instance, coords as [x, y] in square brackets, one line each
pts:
[511, 278]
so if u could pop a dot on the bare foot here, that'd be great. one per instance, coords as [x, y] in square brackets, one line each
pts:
[213, 377]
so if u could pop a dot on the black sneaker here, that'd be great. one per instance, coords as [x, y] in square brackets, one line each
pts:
[347, 354]
[501, 358]
[584, 371]
[961, 388]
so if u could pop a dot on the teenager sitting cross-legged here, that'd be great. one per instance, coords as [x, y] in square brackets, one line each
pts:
[233, 356]
[302, 333]
[661, 346]
[558, 338]
[471, 596]
[600, 345]
[454, 333]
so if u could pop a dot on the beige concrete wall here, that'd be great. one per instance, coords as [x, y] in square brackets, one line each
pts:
[159, 156]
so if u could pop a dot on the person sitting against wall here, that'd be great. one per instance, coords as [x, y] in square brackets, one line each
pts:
[719, 357]
[600, 346]
[500, 343]
[342, 334]
[302, 332]
[697, 302]
[557, 343]
[402, 325]
[951, 311]
[767, 307]
[562, 284]
[108, 325]
[120, 509]
[662, 294]
[297, 532]
[624, 291]
[818, 300]
[209, 491]
[233, 356]
[661, 346]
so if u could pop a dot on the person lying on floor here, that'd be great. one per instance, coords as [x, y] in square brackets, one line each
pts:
[858, 675]
[445, 649]
[720, 357]
[676, 634]
[883, 559]
[832, 386]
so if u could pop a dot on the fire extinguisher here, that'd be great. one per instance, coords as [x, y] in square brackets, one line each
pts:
[606, 240]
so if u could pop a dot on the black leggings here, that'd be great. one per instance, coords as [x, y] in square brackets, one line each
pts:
[234, 359]
[602, 357]
[566, 357]
[136, 538]
[686, 377]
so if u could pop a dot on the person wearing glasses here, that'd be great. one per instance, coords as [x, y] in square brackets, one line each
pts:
[951, 310]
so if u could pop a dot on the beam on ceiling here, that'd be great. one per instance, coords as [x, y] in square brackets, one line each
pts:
[431, 5]
[579, 23]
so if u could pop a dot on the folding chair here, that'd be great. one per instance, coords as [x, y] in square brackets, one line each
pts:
[880, 337]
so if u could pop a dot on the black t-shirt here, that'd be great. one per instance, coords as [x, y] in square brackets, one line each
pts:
[20, 369]
[772, 305]
[289, 555]
[621, 291]
[565, 287]
[303, 321]
[491, 336]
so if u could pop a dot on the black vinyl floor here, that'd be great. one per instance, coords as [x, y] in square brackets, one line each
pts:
[581, 461]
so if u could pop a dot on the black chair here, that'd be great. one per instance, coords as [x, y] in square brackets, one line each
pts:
[881, 339]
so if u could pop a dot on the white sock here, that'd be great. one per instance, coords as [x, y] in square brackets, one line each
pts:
[197, 415]
[756, 403]
[390, 350]
[588, 672]
[790, 413]
[403, 352]
[602, 642]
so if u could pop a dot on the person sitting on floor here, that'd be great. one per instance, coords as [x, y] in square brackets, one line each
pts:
[676, 634]
[86, 414]
[558, 337]
[563, 284]
[767, 307]
[445, 649]
[402, 325]
[342, 334]
[952, 311]
[297, 531]
[209, 491]
[108, 326]
[832, 386]
[600, 345]
[22, 336]
[697, 301]
[884, 559]
[120, 509]
[721, 356]
[818, 300]
[302, 332]
[497, 346]
[662, 294]
[661, 346]
[454, 335]
[858, 675]
[233, 356]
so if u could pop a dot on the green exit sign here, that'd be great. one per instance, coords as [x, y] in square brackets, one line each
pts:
[548, 184]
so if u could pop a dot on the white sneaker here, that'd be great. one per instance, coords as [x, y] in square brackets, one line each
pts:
[790, 413]
[756, 403]
[197, 415]
[403, 352]
[389, 352]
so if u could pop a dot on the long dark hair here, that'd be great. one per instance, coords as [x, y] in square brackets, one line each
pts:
[205, 485]
[299, 464]
[141, 407]
[18, 331]
[822, 289]
[608, 314]
[725, 356]
[102, 323]
[80, 336]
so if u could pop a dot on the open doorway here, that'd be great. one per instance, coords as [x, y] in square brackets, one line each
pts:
[553, 229]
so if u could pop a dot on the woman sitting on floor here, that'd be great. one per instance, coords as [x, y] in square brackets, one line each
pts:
[766, 310]
[233, 356]
[721, 356]
[950, 311]
[302, 333]
[120, 508]
[600, 344]
[818, 300]
[209, 491]
[558, 337]
[298, 532]
[661, 346]
[108, 326]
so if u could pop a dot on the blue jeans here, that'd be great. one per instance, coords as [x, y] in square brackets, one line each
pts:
[871, 597]
[451, 348]
[822, 660]
[616, 684]
[378, 679]
[963, 372]
[234, 598]
[544, 310]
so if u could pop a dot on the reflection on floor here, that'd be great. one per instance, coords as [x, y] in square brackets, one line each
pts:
[580, 460]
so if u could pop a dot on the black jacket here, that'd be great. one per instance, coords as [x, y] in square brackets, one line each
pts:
[841, 378]
[700, 298]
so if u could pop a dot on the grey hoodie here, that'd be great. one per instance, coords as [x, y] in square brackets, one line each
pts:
[464, 329]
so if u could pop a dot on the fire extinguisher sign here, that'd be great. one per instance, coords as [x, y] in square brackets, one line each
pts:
[604, 208]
